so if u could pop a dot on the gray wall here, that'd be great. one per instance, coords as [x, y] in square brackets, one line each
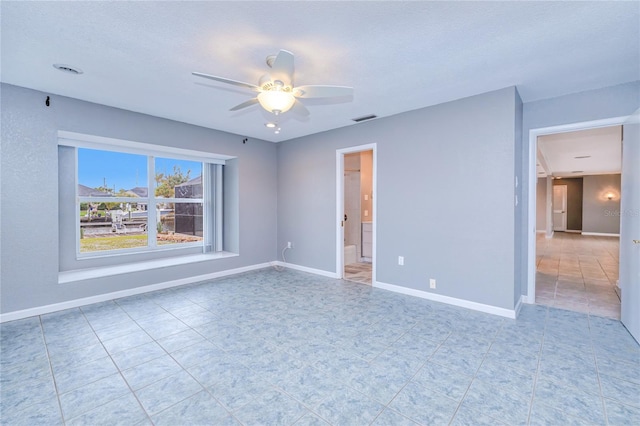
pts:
[445, 197]
[574, 202]
[29, 172]
[614, 101]
[600, 214]
[519, 234]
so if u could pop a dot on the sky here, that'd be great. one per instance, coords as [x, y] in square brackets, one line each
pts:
[124, 171]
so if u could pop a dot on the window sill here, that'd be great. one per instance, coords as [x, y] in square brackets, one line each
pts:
[66, 277]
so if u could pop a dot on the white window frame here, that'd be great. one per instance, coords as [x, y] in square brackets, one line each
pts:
[212, 205]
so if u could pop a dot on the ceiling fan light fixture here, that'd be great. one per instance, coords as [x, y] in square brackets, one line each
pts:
[276, 101]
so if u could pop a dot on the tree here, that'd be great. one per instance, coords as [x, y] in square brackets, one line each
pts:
[105, 189]
[165, 184]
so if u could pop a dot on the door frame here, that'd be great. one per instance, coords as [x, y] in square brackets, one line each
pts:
[565, 214]
[530, 235]
[340, 206]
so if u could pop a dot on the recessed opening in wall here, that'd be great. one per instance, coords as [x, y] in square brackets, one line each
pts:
[356, 196]
[123, 201]
[576, 257]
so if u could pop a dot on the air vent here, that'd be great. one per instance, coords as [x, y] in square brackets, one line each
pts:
[67, 68]
[364, 118]
[578, 171]
[582, 156]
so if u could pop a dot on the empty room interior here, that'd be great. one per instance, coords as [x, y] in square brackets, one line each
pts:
[320, 213]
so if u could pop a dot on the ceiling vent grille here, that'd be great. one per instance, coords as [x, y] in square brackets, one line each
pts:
[67, 68]
[364, 118]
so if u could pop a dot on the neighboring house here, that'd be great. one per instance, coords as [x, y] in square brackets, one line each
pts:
[85, 191]
[139, 192]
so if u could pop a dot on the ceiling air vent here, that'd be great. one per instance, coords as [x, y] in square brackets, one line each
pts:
[364, 118]
[67, 68]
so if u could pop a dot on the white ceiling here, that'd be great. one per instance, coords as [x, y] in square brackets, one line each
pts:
[602, 148]
[398, 56]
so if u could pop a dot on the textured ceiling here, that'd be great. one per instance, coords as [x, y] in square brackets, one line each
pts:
[398, 56]
[599, 151]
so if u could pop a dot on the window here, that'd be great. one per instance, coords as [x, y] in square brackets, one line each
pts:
[132, 202]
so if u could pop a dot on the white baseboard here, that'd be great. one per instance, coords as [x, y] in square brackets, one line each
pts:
[600, 234]
[508, 313]
[306, 269]
[41, 310]
[540, 232]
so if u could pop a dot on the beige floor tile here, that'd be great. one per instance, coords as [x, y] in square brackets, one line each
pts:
[578, 273]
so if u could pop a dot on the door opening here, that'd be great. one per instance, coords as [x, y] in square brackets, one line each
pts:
[580, 267]
[560, 208]
[356, 213]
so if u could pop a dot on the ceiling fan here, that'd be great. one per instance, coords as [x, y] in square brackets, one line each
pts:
[276, 91]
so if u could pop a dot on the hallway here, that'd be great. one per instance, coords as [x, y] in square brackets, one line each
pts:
[578, 273]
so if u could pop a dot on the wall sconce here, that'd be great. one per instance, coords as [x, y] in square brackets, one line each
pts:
[609, 196]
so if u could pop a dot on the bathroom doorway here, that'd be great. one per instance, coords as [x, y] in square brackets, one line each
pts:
[356, 203]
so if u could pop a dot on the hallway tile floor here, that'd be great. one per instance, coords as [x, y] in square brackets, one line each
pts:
[359, 272]
[579, 273]
[270, 347]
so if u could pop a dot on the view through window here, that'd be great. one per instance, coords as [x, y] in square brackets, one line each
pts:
[118, 211]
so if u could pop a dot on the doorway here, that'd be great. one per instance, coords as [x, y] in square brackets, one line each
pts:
[355, 208]
[554, 261]
[560, 208]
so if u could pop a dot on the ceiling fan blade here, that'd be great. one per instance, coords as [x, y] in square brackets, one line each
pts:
[282, 68]
[245, 104]
[227, 80]
[299, 109]
[322, 91]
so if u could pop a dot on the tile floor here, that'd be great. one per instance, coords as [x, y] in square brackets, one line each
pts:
[271, 347]
[359, 272]
[579, 273]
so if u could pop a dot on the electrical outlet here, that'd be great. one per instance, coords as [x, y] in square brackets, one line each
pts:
[432, 283]
[289, 244]
[401, 260]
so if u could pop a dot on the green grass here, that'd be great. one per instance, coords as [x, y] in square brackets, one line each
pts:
[89, 244]
[83, 213]
[112, 243]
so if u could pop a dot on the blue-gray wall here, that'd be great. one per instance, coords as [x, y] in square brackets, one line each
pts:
[445, 197]
[29, 210]
[614, 101]
[446, 190]
[520, 270]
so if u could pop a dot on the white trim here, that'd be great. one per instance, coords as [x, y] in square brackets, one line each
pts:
[80, 140]
[340, 205]
[508, 313]
[41, 310]
[540, 232]
[600, 234]
[306, 269]
[66, 277]
[533, 179]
